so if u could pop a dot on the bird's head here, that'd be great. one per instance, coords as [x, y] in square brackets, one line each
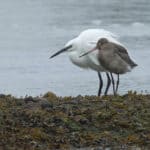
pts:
[101, 42]
[98, 46]
[70, 46]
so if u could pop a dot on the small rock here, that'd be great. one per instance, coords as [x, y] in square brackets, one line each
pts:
[45, 105]
[30, 99]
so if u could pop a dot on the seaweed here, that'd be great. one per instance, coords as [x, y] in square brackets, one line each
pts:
[52, 122]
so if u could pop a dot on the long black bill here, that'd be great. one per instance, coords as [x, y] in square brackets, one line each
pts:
[61, 51]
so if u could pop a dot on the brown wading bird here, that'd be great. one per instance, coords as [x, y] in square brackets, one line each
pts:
[114, 58]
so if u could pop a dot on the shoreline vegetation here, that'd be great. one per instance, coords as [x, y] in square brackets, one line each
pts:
[49, 122]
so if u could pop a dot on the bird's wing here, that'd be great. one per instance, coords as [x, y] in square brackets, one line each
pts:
[89, 39]
[122, 52]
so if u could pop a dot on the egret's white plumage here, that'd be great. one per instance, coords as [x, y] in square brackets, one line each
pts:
[83, 43]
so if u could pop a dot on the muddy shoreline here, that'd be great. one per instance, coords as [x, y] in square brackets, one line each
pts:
[51, 122]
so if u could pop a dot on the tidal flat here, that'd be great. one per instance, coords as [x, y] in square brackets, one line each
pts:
[50, 122]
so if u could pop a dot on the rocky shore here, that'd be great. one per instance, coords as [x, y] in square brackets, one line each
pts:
[49, 122]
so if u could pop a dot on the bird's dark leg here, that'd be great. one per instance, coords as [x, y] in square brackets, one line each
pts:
[117, 83]
[108, 83]
[100, 84]
[113, 83]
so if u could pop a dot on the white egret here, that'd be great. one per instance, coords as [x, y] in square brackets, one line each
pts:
[83, 43]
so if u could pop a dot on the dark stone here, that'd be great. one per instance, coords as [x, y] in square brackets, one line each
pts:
[45, 105]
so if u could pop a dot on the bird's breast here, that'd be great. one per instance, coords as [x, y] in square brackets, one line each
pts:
[87, 62]
[79, 61]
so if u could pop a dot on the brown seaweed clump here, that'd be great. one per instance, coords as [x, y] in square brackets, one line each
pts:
[50, 122]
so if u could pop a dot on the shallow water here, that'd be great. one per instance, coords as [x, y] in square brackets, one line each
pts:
[30, 31]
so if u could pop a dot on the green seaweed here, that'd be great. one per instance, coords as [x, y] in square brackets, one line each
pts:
[51, 122]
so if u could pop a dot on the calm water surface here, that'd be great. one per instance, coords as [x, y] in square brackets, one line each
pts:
[30, 31]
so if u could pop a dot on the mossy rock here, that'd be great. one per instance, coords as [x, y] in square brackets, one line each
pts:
[50, 96]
